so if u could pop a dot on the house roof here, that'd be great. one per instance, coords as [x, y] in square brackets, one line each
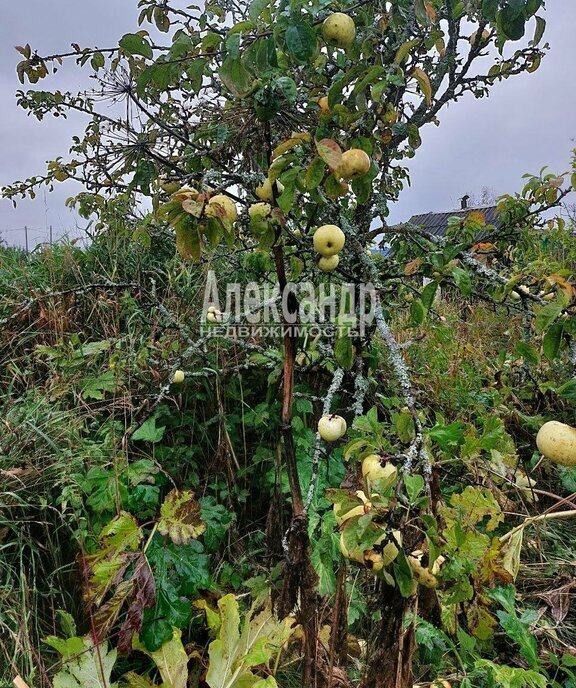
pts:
[437, 223]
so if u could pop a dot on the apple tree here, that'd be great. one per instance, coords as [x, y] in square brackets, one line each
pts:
[273, 136]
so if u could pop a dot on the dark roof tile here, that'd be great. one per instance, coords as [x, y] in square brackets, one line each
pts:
[437, 223]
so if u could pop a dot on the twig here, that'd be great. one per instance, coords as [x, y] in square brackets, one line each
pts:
[535, 519]
[334, 387]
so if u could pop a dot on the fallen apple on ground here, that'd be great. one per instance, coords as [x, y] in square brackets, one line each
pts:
[557, 441]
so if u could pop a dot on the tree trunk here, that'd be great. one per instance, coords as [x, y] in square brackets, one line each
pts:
[390, 662]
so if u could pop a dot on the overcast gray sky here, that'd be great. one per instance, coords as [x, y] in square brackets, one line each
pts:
[527, 122]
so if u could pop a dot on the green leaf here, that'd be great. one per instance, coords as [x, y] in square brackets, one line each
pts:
[428, 294]
[403, 574]
[489, 9]
[552, 340]
[517, 628]
[256, 8]
[91, 668]
[417, 313]
[234, 652]
[462, 280]
[404, 425]
[315, 173]
[155, 630]
[567, 390]
[134, 44]
[98, 61]
[287, 86]
[148, 432]
[96, 387]
[300, 42]
[528, 353]
[217, 519]
[447, 435]
[344, 353]
[118, 540]
[505, 676]
[414, 486]
[512, 23]
[325, 555]
[235, 76]
[66, 647]
[548, 314]
[539, 31]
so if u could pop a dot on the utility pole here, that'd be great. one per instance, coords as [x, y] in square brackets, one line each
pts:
[26, 237]
[50, 235]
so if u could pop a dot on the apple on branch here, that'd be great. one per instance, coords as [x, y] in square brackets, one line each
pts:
[329, 263]
[355, 162]
[332, 427]
[264, 190]
[329, 240]
[339, 30]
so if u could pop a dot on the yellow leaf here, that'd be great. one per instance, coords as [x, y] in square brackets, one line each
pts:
[404, 50]
[288, 144]
[424, 82]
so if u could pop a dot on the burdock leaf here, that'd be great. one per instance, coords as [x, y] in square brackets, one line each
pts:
[118, 541]
[180, 517]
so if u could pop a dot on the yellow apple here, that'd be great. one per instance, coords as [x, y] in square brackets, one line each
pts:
[259, 211]
[374, 561]
[220, 206]
[329, 240]
[169, 186]
[213, 315]
[329, 264]
[421, 574]
[441, 683]
[373, 470]
[338, 29]
[264, 190]
[178, 377]
[557, 441]
[332, 427]
[355, 162]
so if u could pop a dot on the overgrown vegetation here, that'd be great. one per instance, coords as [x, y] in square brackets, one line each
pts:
[170, 514]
